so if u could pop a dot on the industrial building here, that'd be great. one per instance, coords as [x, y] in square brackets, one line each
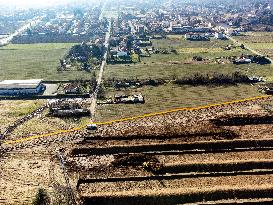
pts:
[21, 87]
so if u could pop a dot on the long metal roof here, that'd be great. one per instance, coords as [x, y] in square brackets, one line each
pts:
[20, 84]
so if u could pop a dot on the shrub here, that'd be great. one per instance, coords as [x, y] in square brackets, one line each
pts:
[215, 79]
[41, 198]
[101, 92]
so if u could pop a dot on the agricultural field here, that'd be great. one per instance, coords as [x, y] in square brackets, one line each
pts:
[178, 65]
[40, 61]
[181, 63]
[260, 41]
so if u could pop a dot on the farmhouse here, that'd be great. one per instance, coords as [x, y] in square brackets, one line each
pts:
[72, 89]
[21, 87]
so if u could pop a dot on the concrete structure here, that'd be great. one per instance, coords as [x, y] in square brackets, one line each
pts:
[21, 87]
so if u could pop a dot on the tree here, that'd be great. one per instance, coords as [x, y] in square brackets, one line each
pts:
[129, 43]
[78, 12]
[101, 92]
[29, 31]
[41, 198]
[93, 82]
[96, 51]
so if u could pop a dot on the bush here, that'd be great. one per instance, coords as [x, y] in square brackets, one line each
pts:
[101, 92]
[174, 51]
[215, 79]
[41, 198]
[197, 58]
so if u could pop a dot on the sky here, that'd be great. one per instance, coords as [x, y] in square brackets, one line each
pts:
[32, 3]
[27, 3]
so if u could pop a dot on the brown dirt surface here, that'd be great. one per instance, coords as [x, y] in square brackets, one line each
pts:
[189, 184]
[28, 165]
[24, 171]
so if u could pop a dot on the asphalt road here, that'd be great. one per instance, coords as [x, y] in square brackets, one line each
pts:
[32, 23]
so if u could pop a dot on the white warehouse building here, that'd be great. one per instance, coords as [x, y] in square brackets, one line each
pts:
[21, 87]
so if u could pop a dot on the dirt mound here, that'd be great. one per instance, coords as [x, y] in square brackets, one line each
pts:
[147, 162]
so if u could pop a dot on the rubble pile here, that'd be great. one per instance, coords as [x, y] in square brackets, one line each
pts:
[67, 108]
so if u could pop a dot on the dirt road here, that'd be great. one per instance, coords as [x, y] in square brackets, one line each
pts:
[99, 80]
[248, 48]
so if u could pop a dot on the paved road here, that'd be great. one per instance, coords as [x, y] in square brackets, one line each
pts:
[33, 22]
[99, 80]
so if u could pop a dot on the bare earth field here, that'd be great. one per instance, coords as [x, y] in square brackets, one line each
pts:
[130, 138]
[90, 157]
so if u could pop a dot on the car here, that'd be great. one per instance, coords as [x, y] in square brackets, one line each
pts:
[91, 127]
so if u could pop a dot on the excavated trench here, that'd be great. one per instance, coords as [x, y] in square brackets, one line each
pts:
[241, 120]
[169, 148]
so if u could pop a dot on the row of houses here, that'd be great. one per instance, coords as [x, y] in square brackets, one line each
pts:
[66, 26]
[189, 29]
[204, 36]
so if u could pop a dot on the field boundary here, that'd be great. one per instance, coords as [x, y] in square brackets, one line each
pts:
[59, 132]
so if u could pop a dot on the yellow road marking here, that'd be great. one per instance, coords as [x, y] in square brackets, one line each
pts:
[133, 118]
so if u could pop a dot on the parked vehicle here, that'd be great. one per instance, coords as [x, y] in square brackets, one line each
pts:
[91, 127]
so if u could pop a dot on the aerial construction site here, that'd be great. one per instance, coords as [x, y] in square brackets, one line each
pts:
[186, 156]
[125, 103]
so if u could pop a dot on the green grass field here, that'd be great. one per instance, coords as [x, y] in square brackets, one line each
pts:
[46, 124]
[10, 111]
[29, 61]
[173, 65]
[170, 96]
[170, 71]
[260, 41]
[169, 66]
